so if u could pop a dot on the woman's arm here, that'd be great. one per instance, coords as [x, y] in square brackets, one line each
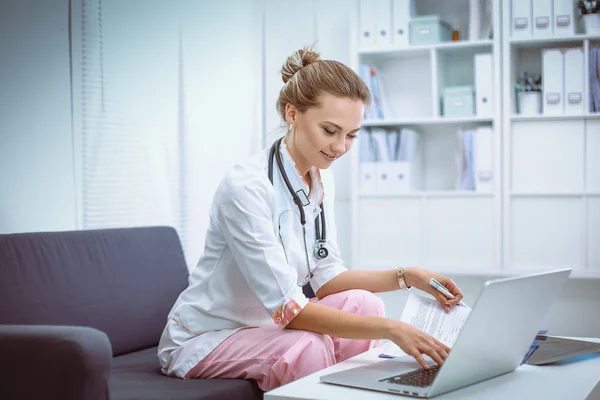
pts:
[373, 281]
[386, 281]
[330, 321]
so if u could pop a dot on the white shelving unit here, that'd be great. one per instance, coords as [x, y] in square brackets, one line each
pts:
[405, 229]
[544, 210]
[551, 179]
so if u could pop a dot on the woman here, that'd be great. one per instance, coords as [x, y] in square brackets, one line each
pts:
[244, 314]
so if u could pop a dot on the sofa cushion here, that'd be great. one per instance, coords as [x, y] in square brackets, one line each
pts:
[120, 281]
[137, 376]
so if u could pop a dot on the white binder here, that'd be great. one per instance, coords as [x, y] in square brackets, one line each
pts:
[366, 16]
[521, 19]
[484, 160]
[484, 84]
[383, 22]
[386, 180]
[574, 81]
[564, 24]
[402, 12]
[367, 178]
[553, 81]
[542, 18]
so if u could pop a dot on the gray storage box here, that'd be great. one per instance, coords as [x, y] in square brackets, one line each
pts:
[429, 29]
[458, 101]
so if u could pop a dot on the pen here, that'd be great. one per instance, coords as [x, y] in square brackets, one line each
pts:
[440, 288]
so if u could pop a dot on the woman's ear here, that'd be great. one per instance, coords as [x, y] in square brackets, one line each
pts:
[290, 114]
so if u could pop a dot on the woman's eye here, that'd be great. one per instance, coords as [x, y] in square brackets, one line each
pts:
[329, 132]
[352, 136]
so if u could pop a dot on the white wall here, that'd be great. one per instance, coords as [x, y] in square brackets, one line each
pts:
[37, 189]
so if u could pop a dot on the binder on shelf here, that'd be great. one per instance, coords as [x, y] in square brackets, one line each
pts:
[553, 81]
[367, 24]
[465, 171]
[484, 84]
[484, 159]
[521, 19]
[406, 170]
[594, 79]
[475, 10]
[383, 22]
[384, 181]
[367, 166]
[564, 24]
[574, 81]
[542, 18]
[402, 12]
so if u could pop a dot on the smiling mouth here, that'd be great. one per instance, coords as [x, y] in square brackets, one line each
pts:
[328, 156]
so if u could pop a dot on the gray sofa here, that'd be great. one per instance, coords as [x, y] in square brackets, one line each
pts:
[81, 314]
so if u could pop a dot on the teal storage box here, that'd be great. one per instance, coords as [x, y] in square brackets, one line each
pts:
[458, 101]
[429, 29]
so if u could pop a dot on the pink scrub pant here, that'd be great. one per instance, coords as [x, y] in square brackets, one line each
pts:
[274, 356]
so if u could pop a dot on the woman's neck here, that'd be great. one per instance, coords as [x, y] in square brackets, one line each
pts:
[302, 163]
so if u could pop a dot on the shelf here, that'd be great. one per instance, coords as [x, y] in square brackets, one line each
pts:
[432, 194]
[427, 121]
[537, 42]
[446, 46]
[555, 194]
[561, 117]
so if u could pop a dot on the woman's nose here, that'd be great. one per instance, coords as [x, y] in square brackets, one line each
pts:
[339, 145]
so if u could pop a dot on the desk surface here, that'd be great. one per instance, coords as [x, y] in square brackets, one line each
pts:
[569, 379]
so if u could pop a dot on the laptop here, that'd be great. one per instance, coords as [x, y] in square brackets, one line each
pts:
[494, 340]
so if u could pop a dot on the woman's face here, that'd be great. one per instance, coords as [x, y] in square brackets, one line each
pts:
[324, 133]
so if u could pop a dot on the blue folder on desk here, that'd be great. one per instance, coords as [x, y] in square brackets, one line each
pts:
[546, 349]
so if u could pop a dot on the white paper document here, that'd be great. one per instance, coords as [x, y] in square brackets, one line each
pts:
[425, 314]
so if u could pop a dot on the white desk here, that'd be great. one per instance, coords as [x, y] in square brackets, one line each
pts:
[568, 380]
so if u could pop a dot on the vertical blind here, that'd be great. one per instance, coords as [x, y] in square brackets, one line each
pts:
[128, 112]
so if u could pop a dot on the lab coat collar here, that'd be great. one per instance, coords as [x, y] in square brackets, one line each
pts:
[317, 192]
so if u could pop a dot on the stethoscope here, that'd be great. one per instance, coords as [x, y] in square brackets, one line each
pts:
[319, 250]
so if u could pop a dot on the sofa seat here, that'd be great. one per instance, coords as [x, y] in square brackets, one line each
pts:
[137, 376]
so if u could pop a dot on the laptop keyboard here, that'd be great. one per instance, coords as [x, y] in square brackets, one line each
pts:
[419, 378]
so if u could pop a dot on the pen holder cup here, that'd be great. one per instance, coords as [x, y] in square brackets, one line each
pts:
[530, 103]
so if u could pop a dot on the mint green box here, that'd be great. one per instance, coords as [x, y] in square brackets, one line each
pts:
[428, 29]
[458, 101]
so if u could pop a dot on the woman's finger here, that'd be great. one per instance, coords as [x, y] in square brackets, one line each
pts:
[442, 300]
[453, 288]
[433, 353]
[442, 346]
[417, 356]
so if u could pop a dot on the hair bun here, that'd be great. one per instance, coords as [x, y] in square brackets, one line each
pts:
[298, 59]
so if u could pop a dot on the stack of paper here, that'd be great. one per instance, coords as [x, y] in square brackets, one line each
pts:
[425, 314]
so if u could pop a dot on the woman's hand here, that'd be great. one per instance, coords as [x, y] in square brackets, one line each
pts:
[416, 343]
[419, 278]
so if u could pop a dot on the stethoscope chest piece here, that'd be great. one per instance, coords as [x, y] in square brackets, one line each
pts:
[319, 250]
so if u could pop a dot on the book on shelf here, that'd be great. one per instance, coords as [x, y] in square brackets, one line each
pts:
[379, 108]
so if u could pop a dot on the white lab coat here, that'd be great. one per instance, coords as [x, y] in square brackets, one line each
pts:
[246, 277]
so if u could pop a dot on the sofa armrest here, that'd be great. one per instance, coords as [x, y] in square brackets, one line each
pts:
[54, 362]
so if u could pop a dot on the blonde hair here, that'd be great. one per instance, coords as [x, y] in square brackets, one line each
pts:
[306, 76]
